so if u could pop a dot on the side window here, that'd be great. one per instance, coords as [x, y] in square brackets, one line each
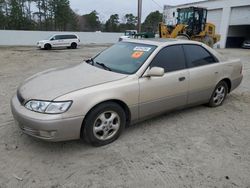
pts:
[57, 37]
[198, 56]
[170, 58]
[63, 37]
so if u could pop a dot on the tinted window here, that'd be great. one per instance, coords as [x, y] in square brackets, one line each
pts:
[64, 36]
[69, 37]
[73, 37]
[60, 37]
[170, 58]
[57, 37]
[198, 56]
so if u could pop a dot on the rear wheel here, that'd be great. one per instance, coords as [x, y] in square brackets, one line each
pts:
[104, 124]
[219, 94]
[47, 47]
[73, 45]
[208, 41]
[182, 37]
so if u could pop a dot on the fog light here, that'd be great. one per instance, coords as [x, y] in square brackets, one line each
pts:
[47, 134]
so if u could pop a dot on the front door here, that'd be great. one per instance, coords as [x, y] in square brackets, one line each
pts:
[160, 94]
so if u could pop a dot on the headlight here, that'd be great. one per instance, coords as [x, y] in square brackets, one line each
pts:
[48, 107]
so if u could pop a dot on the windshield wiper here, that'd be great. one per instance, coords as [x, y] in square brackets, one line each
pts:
[90, 61]
[104, 66]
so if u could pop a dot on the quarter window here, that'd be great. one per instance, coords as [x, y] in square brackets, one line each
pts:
[170, 58]
[198, 56]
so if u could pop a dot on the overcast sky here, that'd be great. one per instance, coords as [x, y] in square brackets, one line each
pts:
[107, 7]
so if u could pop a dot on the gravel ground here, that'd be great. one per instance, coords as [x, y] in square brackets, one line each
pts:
[195, 147]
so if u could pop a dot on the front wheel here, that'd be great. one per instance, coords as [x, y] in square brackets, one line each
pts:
[183, 37]
[73, 45]
[104, 124]
[208, 41]
[219, 94]
[47, 46]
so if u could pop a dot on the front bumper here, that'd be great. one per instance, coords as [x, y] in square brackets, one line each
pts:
[246, 45]
[39, 45]
[46, 126]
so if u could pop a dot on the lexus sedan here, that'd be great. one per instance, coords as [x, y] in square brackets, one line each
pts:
[126, 83]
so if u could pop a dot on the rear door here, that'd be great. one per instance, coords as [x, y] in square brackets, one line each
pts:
[57, 41]
[203, 70]
[159, 94]
[67, 40]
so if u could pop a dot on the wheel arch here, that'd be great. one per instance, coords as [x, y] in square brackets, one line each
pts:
[117, 101]
[228, 82]
[47, 43]
[184, 35]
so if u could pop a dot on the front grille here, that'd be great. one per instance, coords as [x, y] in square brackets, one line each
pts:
[19, 97]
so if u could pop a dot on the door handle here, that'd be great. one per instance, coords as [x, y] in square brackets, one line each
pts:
[182, 79]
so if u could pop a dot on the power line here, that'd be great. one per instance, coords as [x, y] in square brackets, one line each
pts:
[157, 4]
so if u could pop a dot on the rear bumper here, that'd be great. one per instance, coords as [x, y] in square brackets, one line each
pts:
[44, 126]
[236, 82]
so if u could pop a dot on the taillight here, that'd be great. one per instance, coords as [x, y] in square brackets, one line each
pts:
[79, 40]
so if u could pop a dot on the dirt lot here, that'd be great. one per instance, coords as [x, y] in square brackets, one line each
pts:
[197, 147]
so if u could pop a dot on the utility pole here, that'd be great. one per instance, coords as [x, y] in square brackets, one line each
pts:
[139, 16]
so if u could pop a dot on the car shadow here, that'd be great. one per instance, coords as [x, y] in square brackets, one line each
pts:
[81, 145]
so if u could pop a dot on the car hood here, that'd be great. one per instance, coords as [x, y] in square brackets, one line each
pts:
[42, 41]
[53, 83]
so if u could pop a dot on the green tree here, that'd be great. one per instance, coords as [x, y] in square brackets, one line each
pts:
[130, 19]
[91, 21]
[2, 15]
[112, 24]
[151, 22]
[63, 15]
[16, 18]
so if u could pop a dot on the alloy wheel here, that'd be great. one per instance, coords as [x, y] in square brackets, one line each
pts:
[106, 125]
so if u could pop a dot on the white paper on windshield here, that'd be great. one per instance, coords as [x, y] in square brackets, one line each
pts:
[142, 48]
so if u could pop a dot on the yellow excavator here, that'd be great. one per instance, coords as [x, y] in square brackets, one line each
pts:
[191, 25]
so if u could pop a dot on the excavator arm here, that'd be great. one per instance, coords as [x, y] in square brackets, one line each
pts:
[164, 32]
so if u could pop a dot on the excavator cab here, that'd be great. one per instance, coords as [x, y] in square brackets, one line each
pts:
[194, 17]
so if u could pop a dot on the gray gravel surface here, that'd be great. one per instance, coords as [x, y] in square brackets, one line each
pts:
[195, 147]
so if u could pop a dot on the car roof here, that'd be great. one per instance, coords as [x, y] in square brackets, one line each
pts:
[161, 41]
[65, 34]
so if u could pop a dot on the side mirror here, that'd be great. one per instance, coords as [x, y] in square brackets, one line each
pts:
[155, 71]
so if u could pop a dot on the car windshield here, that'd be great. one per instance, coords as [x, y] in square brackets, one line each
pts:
[124, 57]
[48, 38]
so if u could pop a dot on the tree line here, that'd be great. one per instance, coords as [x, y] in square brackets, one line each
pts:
[57, 15]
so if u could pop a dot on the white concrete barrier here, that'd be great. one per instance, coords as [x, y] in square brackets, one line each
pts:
[30, 38]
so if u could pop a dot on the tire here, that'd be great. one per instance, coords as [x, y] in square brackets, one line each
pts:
[47, 47]
[183, 37]
[219, 94]
[73, 45]
[103, 124]
[208, 41]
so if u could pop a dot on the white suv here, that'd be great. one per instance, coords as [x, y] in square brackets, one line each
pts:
[59, 40]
